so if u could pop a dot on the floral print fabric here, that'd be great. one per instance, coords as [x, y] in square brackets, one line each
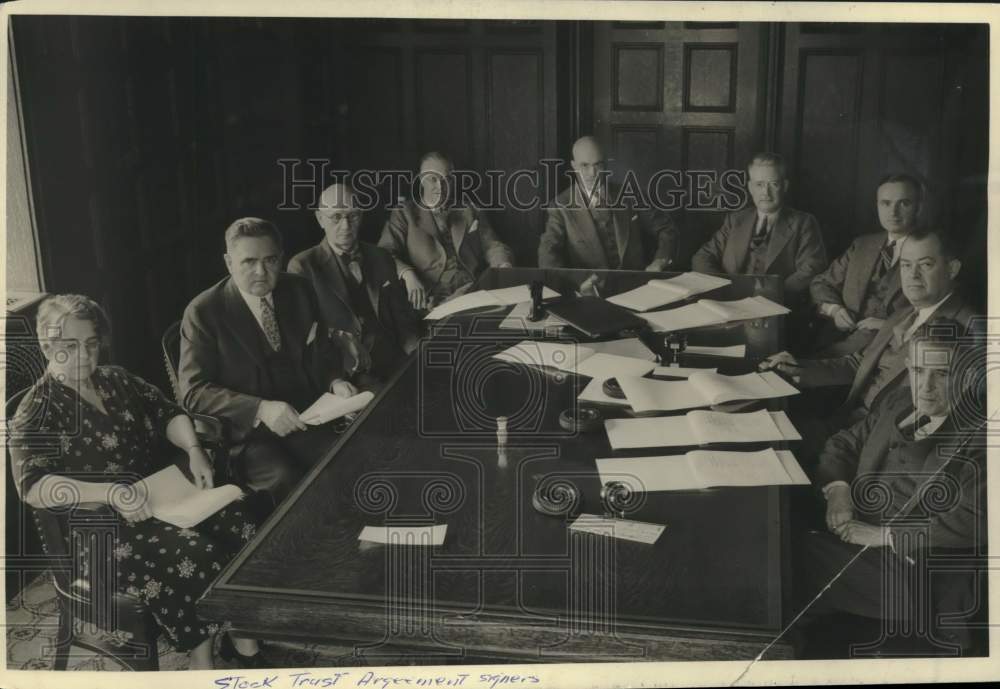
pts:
[56, 432]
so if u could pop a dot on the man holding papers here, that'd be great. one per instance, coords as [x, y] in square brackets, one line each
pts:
[768, 239]
[589, 227]
[255, 351]
[928, 267]
[907, 479]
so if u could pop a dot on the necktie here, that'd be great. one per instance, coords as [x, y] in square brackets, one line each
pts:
[885, 258]
[353, 261]
[910, 432]
[760, 236]
[270, 324]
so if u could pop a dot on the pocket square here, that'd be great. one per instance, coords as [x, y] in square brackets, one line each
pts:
[312, 334]
[635, 217]
[386, 283]
[474, 226]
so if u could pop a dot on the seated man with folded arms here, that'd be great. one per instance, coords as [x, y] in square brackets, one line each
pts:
[362, 300]
[440, 249]
[255, 351]
[769, 238]
[861, 288]
[928, 268]
[882, 479]
[588, 226]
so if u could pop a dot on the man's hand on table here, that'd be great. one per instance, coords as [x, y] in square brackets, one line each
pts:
[280, 417]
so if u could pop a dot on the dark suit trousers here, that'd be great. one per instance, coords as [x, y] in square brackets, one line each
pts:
[273, 466]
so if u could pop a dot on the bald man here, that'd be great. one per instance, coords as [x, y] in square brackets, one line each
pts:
[587, 227]
[363, 301]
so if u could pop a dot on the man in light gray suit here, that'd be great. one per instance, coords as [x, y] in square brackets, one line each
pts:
[861, 288]
[768, 239]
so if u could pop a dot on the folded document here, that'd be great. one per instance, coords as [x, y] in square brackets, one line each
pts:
[486, 297]
[567, 356]
[177, 501]
[709, 312]
[656, 293]
[701, 469]
[701, 389]
[329, 407]
[700, 427]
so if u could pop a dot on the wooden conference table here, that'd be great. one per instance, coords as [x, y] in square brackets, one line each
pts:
[509, 582]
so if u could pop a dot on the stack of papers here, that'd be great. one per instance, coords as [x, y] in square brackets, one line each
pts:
[701, 389]
[702, 469]
[709, 312]
[486, 297]
[177, 501]
[329, 407]
[574, 358]
[627, 529]
[734, 351]
[656, 293]
[700, 428]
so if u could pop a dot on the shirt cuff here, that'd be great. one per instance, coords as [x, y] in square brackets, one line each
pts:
[831, 485]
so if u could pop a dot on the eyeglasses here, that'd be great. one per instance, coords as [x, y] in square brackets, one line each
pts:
[337, 217]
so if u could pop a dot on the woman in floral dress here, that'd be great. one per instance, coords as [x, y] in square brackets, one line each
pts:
[107, 424]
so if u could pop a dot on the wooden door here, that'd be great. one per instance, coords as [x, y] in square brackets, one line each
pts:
[683, 96]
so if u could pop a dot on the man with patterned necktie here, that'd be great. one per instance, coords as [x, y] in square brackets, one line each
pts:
[362, 299]
[769, 238]
[881, 481]
[256, 352]
[861, 288]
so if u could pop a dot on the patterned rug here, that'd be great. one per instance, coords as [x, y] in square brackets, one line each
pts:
[32, 618]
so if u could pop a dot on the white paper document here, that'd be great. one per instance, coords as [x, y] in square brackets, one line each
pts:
[700, 427]
[702, 469]
[709, 312]
[517, 319]
[574, 359]
[486, 297]
[175, 500]
[631, 347]
[656, 293]
[404, 535]
[329, 407]
[628, 529]
[734, 351]
[594, 392]
[680, 371]
[702, 389]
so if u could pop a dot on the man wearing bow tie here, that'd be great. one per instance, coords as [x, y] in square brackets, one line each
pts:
[881, 481]
[861, 288]
[588, 226]
[362, 299]
[256, 353]
[440, 249]
[768, 239]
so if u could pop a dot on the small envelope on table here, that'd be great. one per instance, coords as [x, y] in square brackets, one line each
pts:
[312, 334]
[404, 535]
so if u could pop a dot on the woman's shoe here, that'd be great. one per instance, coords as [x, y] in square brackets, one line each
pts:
[228, 652]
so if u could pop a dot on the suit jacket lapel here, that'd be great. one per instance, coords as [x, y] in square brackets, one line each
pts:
[456, 225]
[373, 281]
[242, 323]
[286, 314]
[781, 233]
[738, 246]
[425, 222]
[620, 217]
[874, 351]
[869, 261]
[579, 211]
[332, 268]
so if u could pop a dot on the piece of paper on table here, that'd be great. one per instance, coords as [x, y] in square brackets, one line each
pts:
[680, 371]
[734, 351]
[518, 294]
[700, 427]
[644, 394]
[702, 469]
[517, 319]
[660, 292]
[603, 366]
[175, 500]
[330, 406]
[562, 355]
[710, 312]
[404, 535]
[702, 389]
[628, 529]
[594, 392]
[465, 302]
[630, 346]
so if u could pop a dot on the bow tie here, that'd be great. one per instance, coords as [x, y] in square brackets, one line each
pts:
[352, 256]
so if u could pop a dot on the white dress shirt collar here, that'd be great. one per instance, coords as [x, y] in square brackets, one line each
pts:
[253, 303]
[925, 430]
[923, 315]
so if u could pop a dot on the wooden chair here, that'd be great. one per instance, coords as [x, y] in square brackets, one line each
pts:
[91, 598]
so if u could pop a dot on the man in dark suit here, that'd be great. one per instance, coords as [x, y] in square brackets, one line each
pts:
[255, 352]
[589, 226]
[881, 481]
[440, 249]
[861, 288]
[360, 296]
[928, 267]
[768, 239]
